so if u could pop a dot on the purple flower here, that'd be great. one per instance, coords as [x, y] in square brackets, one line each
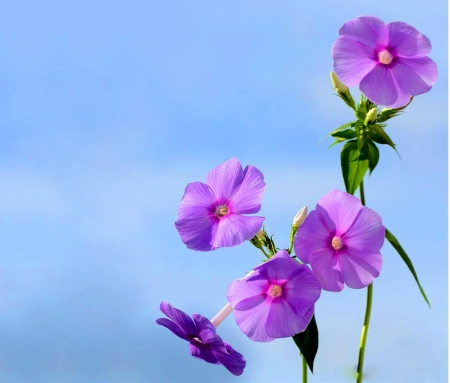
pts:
[211, 214]
[204, 343]
[341, 240]
[276, 301]
[388, 61]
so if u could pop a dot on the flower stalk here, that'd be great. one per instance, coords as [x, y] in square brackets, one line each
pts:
[365, 328]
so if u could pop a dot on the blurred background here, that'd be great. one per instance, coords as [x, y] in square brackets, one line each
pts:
[109, 109]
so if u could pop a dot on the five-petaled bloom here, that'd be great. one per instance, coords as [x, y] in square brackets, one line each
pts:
[388, 61]
[341, 240]
[204, 343]
[211, 214]
[276, 300]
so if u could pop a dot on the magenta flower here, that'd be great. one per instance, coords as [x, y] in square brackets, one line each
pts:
[388, 61]
[204, 343]
[276, 301]
[341, 240]
[211, 214]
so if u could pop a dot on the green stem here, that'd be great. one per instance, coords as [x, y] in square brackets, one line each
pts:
[293, 232]
[304, 370]
[365, 329]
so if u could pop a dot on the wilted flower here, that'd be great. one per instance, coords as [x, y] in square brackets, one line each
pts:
[204, 343]
[276, 301]
[341, 240]
[388, 61]
[211, 214]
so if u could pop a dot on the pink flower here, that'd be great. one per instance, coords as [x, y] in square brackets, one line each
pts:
[387, 61]
[211, 215]
[341, 240]
[276, 301]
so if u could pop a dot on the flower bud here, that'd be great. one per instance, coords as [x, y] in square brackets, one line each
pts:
[342, 90]
[371, 115]
[338, 86]
[300, 216]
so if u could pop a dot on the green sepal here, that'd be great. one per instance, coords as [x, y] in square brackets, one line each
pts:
[308, 342]
[354, 164]
[394, 242]
[373, 154]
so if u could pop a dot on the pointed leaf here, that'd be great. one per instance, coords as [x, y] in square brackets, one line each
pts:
[342, 127]
[379, 135]
[373, 154]
[308, 342]
[354, 164]
[394, 242]
[345, 135]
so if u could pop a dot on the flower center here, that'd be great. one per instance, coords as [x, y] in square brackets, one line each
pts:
[221, 211]
[336, 242]
[275, 291]
[197, 339]
[385, 57]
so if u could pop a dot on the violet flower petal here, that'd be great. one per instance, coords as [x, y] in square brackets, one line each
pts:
[368, 30]
[247, 199]
[202, 353]
[358, 272]
[243, 296]
[380, 87]
[198, 201]
[313, 234]
[352, 60]
[409, 77]
[225, 180]
[282, 321]
[406, 41]
[302, 291]
[167, 323]
[234, 229]
[232, 360]
[366, 233]
[197, 233]
[325, 267]
[253, 324]
[341, 207]
[179, 317]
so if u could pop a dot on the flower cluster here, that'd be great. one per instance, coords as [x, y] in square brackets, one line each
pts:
[341, 240]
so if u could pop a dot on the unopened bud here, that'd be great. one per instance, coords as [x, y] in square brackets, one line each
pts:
[338, 86]
[342, 90]
[371, 116]
[300, 216]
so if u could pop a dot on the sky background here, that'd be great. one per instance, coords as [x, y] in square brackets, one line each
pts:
[108, 109]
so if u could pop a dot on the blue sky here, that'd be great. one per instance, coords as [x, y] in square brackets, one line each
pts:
[109, 109]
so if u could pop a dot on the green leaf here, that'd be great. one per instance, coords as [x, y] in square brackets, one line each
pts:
[308, 342]
[378, 134]
[334, 143]
[390, 237]
[354, 164]
[373, 154]
[342, 127]
[345, 135]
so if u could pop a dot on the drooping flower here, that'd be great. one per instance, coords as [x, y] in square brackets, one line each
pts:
[204, 343]
[276, 300]
[341, 240]
[389, 62]
[211, 215]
